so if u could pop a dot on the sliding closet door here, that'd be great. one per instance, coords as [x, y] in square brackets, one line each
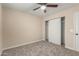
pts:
[54, 31]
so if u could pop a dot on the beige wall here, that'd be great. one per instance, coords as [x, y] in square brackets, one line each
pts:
[0, 29]
[69, 24]
[20, 28]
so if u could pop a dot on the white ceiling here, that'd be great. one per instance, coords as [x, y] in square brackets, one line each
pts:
[28, 7]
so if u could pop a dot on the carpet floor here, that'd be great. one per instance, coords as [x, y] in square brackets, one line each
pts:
[41, 48]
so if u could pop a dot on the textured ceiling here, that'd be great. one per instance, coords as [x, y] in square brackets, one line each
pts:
[28, 7]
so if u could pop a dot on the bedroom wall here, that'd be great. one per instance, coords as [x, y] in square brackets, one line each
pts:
[20, 28]
[69, 25]
[0, 29]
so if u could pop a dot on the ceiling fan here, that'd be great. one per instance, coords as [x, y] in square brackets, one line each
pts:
[44, 6]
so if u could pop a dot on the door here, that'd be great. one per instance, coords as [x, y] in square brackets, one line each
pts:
[76, 23]
[54, 31]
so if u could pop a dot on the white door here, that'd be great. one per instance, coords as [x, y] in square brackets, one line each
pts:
[54, 31]
[76, 23]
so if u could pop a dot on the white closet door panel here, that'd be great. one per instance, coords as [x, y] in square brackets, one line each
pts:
[57, 31]
[50, 31]
[54, 31]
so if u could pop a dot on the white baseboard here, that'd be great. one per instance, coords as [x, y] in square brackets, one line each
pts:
[71, 48]
[21, 44]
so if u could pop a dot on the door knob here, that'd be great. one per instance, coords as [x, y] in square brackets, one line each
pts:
[76, 34]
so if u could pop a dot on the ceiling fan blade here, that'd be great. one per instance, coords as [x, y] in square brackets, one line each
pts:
[52, 5]
[42, 3]
[36, 8]
[45, 11]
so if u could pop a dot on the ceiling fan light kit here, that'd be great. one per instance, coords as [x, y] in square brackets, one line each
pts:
[44, 6]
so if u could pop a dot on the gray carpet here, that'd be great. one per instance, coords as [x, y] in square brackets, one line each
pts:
[41, 48]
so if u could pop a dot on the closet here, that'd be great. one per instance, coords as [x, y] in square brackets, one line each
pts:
[55, 30]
